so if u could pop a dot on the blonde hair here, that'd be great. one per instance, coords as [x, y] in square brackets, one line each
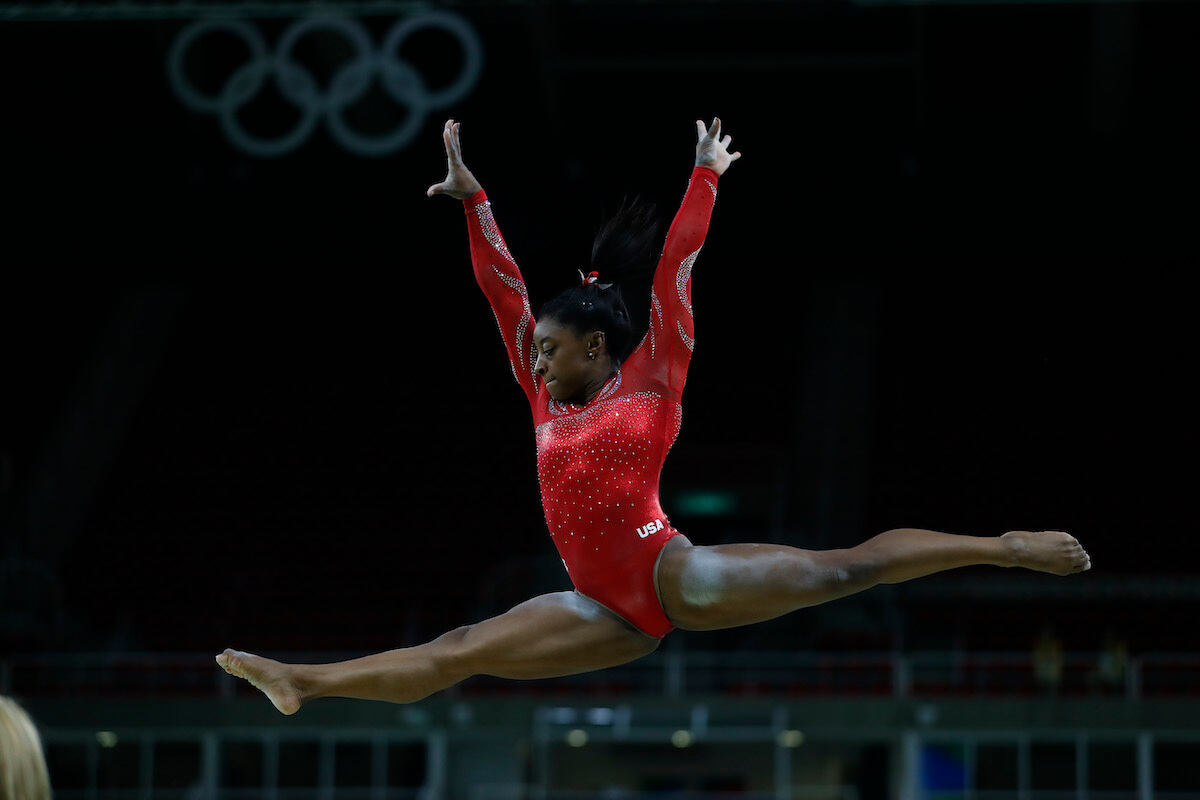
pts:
[23, 773]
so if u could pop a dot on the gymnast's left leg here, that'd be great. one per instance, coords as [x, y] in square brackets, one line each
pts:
[707, 588]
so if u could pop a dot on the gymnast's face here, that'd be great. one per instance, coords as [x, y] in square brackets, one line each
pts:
[564, 363]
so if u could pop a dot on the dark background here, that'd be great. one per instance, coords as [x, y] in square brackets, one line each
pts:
[947, 286]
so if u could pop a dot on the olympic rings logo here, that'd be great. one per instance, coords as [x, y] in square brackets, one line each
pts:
[402, 83]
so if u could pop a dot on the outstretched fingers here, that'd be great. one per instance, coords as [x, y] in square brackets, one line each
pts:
[713, 132]
[452, 142]
[712, 149]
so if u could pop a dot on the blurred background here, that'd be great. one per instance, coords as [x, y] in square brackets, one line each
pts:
[253, 398]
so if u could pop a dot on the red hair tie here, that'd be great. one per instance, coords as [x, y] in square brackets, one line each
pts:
[592, 279]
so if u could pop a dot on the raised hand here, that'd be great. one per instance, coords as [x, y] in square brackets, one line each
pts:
[459, 183]
[711, 150]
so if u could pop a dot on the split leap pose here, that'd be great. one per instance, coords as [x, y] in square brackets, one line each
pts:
[605, 414]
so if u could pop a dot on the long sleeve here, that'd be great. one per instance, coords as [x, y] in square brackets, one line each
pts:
[666, 351]
[502, 284]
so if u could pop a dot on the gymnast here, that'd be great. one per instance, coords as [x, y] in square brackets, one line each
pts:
[606, 409]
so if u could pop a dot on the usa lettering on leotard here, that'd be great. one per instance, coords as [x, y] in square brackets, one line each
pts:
[649, 528]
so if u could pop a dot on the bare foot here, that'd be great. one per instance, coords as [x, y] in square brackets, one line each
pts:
[269, 677]
[1047, 551]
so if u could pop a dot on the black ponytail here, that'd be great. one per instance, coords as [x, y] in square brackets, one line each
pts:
[626, 246]
[624, 255]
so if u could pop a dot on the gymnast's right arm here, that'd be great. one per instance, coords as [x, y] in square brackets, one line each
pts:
[495, 270]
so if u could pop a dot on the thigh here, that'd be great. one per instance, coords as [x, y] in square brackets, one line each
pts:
[708, 588]
[563, 633]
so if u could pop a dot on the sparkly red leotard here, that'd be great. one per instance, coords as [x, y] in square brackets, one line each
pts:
[599, 464]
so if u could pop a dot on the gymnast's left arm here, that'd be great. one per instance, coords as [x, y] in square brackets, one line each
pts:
[688, 229]
[671, 332]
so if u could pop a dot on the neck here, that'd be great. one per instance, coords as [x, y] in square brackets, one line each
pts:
[605, 369]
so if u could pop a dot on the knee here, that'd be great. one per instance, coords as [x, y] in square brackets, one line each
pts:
[451, 656]
[857, 568]
[814, 577]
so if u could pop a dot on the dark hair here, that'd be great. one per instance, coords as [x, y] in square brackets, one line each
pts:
[623, 254]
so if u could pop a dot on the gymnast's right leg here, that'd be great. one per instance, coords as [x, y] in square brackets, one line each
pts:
[564, 633]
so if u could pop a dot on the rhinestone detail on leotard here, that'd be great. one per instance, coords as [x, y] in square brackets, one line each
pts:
[681, 281]
[658, 318]
[518, 286]
[651, 336]
[688, 341]
[487, 224]
[559, 407]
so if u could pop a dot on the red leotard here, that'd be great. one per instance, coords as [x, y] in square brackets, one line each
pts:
[599, 464]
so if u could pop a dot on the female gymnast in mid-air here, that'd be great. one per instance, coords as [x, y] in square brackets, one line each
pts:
[605, 414]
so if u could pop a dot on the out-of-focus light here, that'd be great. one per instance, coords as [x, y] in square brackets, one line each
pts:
[706, 503]
[681, 739]
[601, 716]
[106, 738]
[577, 738]
[791, 738]
[564, 715]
